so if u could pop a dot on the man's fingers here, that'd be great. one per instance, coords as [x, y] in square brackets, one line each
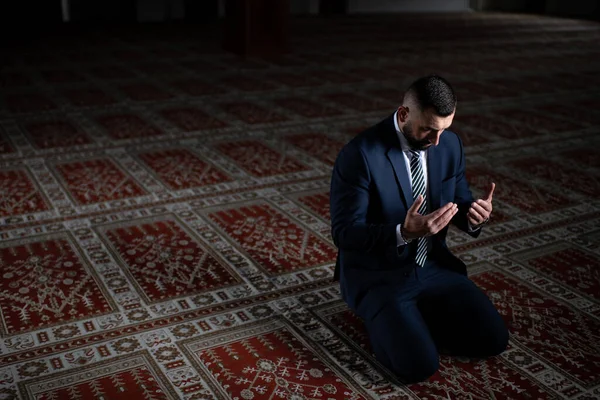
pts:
[479, 210]
[441, 223]
[476, 215]
[440, 211]
[472, 220]
[486, 205]
[490, 192]
[415, 207]
[437, 223]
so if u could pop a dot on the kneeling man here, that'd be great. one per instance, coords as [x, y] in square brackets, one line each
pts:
[395, 189]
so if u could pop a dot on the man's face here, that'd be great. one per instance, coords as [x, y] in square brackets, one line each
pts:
[422, 128]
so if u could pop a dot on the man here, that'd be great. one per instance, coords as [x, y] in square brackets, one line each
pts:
[394, 190]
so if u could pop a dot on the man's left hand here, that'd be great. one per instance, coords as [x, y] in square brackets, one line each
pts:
[480, 210]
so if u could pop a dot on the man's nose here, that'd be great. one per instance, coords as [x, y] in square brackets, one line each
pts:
[435, 140]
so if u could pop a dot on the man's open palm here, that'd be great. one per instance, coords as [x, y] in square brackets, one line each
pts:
[417, 225]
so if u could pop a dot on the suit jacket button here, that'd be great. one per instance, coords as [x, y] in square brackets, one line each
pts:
[406, 274]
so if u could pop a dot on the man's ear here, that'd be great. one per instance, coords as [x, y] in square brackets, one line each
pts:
[402, 113]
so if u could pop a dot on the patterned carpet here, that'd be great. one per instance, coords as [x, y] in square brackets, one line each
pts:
[164, 223]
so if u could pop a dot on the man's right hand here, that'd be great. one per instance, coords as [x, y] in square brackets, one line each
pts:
[416, 225]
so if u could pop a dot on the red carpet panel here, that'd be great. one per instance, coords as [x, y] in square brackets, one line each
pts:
[164, 208]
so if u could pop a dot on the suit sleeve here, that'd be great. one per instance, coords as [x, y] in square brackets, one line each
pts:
[349, 203]
[463, 196]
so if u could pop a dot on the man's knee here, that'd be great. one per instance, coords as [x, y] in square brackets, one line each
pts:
[414, 371]
[494, 343]
[499, 343]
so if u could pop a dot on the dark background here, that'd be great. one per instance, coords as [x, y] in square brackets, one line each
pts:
[25, 15]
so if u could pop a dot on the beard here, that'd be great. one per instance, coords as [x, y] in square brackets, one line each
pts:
[412, 142]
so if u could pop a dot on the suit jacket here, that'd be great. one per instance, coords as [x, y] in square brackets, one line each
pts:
[370, 195]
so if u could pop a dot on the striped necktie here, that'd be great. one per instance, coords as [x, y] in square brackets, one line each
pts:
[418, 188]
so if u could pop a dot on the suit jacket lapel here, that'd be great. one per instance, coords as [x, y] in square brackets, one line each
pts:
[396, 158]
[434, 172]
[394, 154]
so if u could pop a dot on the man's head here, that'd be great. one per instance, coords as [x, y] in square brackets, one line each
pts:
[427, 109]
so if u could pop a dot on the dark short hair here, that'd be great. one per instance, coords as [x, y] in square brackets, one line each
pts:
[433, 92]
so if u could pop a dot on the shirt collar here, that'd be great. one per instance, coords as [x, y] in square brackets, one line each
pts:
[403, 142]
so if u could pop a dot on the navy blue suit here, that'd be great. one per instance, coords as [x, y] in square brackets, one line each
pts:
[399, 301]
